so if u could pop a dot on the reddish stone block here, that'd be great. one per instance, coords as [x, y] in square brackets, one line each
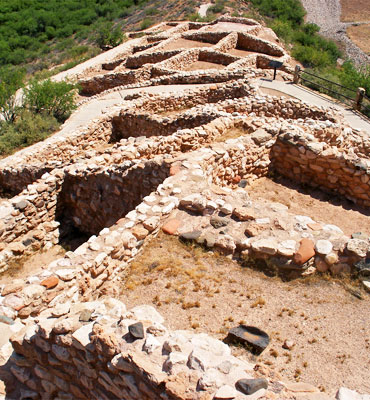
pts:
[170, 227]
[50, 282]
[305, 252]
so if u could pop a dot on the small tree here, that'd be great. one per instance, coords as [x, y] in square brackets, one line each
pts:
[10, 82]
[53, 98]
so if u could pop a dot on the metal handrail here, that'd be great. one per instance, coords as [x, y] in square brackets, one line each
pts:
[330, 90]
[327, 80]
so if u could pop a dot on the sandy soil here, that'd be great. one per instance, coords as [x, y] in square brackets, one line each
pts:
[32, 264]
[320, 206]
[274, 92]
[228, 26]
[240, 53]
[360, 35]
[185, 44]
[358, 10]
[203, 65]
[209, 293]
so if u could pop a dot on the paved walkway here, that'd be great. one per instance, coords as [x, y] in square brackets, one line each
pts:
[94, 108]
[203, 9]
[354, 119]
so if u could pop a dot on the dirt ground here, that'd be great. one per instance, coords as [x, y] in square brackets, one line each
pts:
[205, 292]
[240, 53]
[203, 65]
[185, 44]
[32, 264]
[360, 35]
[320, 206]
[352, 11]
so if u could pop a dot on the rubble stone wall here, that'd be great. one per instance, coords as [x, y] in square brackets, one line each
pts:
[100, 83]
[251, 43]
[139, 60]
[93, 201]
[328, 169]
[100, 359]
[216, 57]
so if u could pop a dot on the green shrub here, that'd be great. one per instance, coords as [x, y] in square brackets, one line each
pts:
[145, 24]
[109, 35]
[52, 98]
[27, 129]
[10, 82]
[285, 10]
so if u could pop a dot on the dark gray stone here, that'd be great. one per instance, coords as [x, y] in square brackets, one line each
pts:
[218, 222]
[194, 235]
[250, 386]
[85, 316]
[21, 205]
[243, 183]
[137, 330]
[363, 267]
[254, 339]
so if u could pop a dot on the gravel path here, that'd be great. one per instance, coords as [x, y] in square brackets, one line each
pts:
[326, 14]
[203, 9]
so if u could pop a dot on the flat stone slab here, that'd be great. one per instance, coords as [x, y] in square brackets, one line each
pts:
[250, 337]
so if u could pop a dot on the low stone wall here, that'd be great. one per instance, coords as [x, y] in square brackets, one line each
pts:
[128, 125]
[139, 60]
[217, 57]
[227, 43]
[89, 353]
[252, 43]
[206, 37]
[307, 161]
[100, 83]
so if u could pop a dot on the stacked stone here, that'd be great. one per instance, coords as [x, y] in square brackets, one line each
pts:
[98, 350]
[305, 160]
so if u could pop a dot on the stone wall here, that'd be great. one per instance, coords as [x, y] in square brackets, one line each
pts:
[139, 60]
[128, 125]
[93, 201]
[304, 160]
[100, 83]
[93, 352]
[252, 43]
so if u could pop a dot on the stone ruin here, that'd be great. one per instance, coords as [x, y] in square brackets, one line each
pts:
[160, 162]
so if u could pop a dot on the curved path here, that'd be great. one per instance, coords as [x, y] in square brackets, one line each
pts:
[94, 108]
[356, 120]
[203, 9]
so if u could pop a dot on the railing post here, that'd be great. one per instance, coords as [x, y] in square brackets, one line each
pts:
[359, 97]
[297, 75]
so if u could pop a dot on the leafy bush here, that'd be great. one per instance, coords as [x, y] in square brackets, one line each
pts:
[10, 82]
[27, 129]
[52, 98]
[284, 10]
[109, 35]
[145, 24]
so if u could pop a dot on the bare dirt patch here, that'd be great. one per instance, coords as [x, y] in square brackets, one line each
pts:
[274, 92]
[355, 10]
[240, 53]
[185, 44]
[360, 35]
[32, 265]
[210, 293]
[203, 65]
[320, 206]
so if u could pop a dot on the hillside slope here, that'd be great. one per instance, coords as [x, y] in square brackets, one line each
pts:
[328, 15]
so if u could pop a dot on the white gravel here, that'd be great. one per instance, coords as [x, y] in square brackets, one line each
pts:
[326, 14]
